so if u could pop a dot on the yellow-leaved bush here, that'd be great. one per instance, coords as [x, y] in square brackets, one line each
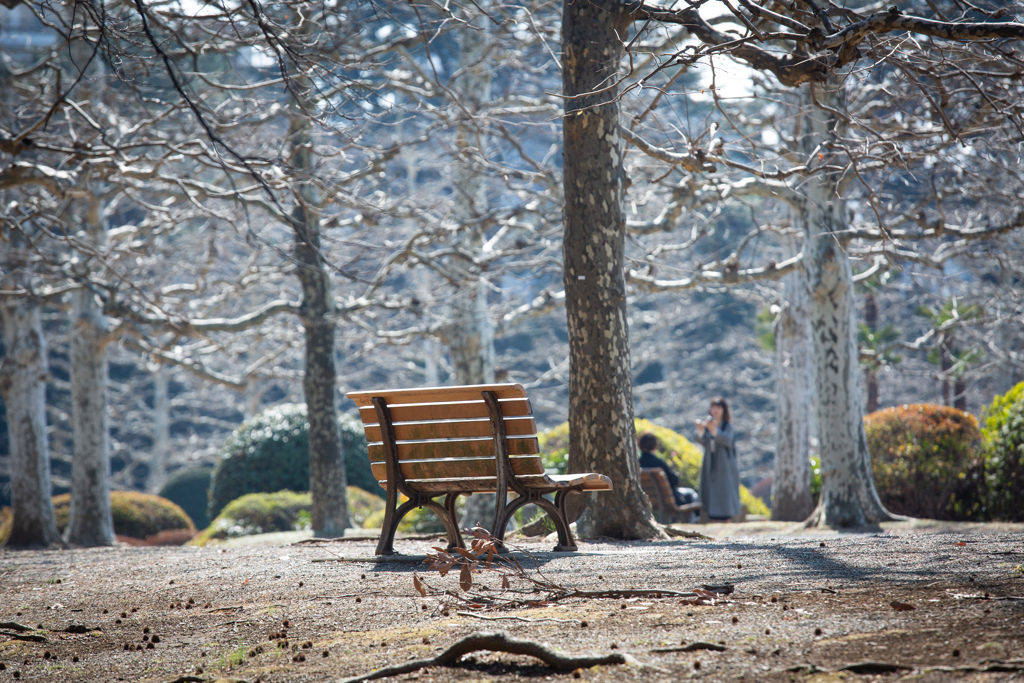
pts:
[926, 461]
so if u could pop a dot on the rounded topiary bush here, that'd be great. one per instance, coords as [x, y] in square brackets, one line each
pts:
[1003, 449]
[190, 488]
[136, 515]
[270, 452]
[259, 513]
[926, 461]
[680, 453]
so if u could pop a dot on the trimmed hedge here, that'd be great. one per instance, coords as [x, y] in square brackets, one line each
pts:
[926, 461]
[684, 456]
[137, 515]
[1003, 449]
[259, 513]
[270, 452]
[190, 488]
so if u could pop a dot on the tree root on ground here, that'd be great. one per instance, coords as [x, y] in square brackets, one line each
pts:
[496, 641]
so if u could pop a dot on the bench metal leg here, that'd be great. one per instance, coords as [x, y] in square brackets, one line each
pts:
[556, 511]
[392, 516]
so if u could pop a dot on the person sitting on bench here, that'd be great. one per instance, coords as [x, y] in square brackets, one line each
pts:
[648, 445]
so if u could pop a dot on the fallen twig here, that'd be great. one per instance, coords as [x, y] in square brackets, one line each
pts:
[692, 647]
[29, 638]
[874, 668]
[14, 626]
[342, 539]
[496, 641]
[888, 667]
[514, 618]
[680, 534]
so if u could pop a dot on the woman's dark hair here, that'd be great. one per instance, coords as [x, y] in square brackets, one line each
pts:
[726, 415]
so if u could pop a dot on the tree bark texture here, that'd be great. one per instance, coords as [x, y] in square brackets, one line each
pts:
[470, 335]
[791, 485]
[848, 490]
[23, 373]
[327, 480]
[90, 522]
[602, 437]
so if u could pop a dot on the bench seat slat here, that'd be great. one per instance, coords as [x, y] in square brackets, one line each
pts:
[458, 468]
[427, 450]
[469, 392]
[419, 431]
[545, 483]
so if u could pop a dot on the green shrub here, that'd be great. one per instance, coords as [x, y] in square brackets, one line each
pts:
[260, 513]
[190, 488]
[1003, 449]
[270, 452]
[137, 515]
[680, 453]
[926, 461]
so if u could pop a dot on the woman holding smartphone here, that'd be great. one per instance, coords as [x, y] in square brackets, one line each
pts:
[719, 473]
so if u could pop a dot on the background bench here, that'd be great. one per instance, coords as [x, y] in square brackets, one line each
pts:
[452, 441]
[655, 484]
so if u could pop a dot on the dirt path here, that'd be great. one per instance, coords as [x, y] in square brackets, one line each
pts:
[803, 607]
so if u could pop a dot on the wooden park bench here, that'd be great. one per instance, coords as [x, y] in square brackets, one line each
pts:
[453, 441]
[655, 484]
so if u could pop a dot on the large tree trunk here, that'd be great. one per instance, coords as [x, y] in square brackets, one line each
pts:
[791, 485]
[602, 437]
[327, 480]
[848, 495]
[23, 372]
[90, 522]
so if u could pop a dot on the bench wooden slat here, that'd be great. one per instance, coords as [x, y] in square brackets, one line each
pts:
[546, 483]
[470, 392]
[419, 431]
[455, 410]
[427, 450]
[458, 469]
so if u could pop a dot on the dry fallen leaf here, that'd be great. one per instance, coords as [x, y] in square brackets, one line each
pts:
[901, 606]
[466, 578]
[419, 586]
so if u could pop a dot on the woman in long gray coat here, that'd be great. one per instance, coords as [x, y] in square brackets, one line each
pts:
[719, 473]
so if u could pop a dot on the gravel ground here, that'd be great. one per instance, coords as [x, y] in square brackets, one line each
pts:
[804, 606]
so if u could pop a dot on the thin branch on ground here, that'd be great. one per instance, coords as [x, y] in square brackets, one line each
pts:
[496, 641]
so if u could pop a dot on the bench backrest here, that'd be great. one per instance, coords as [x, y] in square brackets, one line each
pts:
[655, 484]
[446, 432]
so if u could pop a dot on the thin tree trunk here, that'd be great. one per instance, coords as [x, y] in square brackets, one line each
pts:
[327, 480]
[945, 365]
[791, 485]
[602, 437]
[871, 371]
[161, 451]
[23, 373]
[848, 496]
[470, 335]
